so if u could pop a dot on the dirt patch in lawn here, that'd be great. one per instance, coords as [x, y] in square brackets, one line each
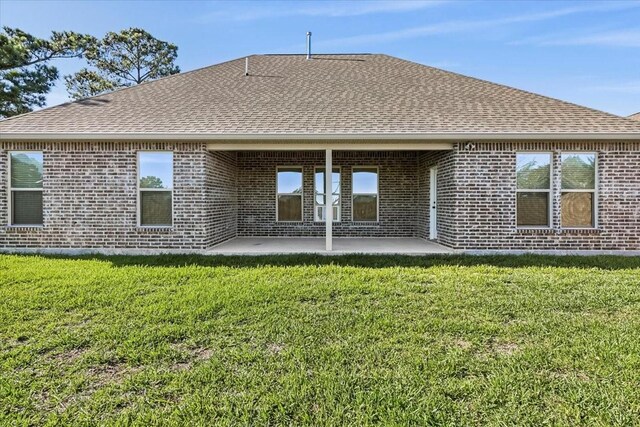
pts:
[506, 349]
[275, 348]
[569, 375]
[462, 344]
[193, 355]
[498, 349]
[103, 375]
[97, 377]
[70, 356]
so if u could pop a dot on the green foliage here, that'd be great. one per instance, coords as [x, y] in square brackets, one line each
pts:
[86, 83]
[313, 340]
[578, 171]
[123, 59]
[533, 176]
[26, 171]
[151, 182]
[25, 76]
[23, 89]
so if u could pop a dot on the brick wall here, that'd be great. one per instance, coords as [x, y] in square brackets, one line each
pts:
[90, 201]
[484, 202]
[445, 161]
[222, 197]
[398, 205]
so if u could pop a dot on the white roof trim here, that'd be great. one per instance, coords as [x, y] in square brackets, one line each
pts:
[329, 145]
[78, 136]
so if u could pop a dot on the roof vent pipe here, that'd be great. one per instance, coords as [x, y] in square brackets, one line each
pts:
[246, 66]
[308, 44]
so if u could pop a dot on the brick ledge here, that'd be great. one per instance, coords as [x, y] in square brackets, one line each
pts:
[563, 231]
[155, 230]
[23, 229]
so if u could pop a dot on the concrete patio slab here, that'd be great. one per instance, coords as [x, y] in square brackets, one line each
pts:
[316, 245]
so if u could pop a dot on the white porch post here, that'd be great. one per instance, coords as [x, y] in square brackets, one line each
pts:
[328, 199]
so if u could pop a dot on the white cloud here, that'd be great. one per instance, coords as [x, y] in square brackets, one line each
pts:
[332, 9]
[461, 26]
[619, 38]
[365, 8]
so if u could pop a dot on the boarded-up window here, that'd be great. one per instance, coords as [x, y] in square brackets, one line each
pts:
[533, 177]
[578, 196]
[289, 194]
[155, 183]
[25, 187]
[365, 193]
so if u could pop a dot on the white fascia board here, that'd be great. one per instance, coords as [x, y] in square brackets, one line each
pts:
[77, 136]
[328, 145]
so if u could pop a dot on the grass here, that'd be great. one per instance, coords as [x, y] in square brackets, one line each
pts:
[305, 340]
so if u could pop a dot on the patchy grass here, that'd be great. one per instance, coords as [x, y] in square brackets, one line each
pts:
[307, 340]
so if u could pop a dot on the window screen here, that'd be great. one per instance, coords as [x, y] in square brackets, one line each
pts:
[289, 194]
[365, 193]
[578, 197]
[533, 202]
[25, 187]
[155, 182]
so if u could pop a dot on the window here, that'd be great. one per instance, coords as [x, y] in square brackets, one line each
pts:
[25, 187]
[365, 193]
[578, 197]
[320, 194]
[533, 201]
[289, 194]
[155, 184]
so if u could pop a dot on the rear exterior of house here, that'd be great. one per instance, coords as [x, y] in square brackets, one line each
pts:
[190, 161]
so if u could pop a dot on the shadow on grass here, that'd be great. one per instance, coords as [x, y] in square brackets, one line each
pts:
[605, 262]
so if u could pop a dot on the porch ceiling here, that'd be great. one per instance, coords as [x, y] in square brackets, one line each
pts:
[316, 245]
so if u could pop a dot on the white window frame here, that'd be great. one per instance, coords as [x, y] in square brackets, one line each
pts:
[315, 201]
[11, 190]
[549, 191]
[377, 193]
[596, 184]
[139, 190]
[291, 194]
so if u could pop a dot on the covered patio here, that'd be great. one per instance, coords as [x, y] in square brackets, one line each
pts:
[275, 195]
[317, 245]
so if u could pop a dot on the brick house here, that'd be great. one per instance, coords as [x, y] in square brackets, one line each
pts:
[190, 161]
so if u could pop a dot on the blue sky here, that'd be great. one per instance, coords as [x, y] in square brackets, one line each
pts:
[582, 52]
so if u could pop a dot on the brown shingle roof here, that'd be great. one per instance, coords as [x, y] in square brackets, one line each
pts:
[330, 94]
[635, 116]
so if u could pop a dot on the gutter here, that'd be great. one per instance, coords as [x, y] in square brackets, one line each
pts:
[514, 136]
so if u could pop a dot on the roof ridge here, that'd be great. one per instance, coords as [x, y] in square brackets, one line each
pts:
[611, 115]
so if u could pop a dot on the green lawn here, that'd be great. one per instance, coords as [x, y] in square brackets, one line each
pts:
[312, 340]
